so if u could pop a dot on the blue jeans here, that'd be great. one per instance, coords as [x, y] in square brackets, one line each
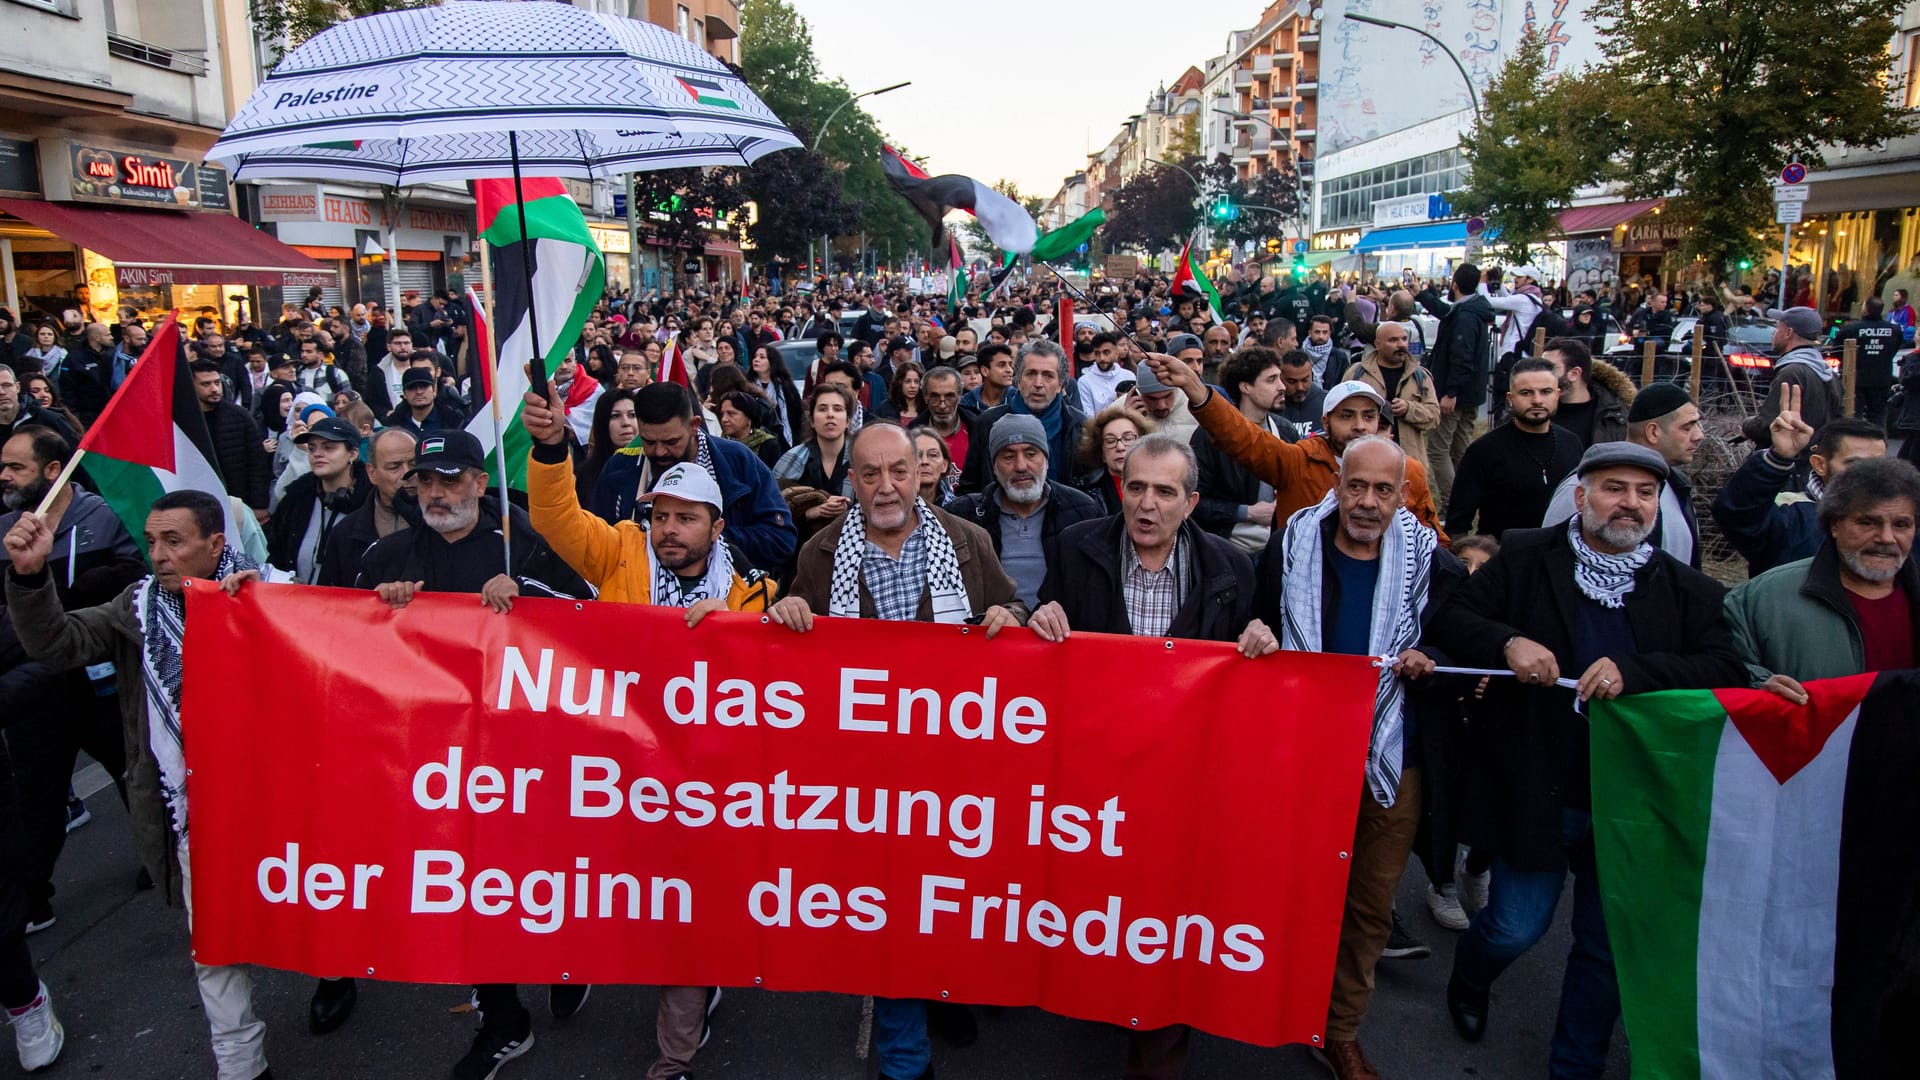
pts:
[1520, 906]
[900, 1037]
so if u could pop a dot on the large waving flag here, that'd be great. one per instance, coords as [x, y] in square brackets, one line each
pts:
[1190, 279]
[569, 276]
[1066, 239]
[1008, 224]
[1759, 868]
[152, 439]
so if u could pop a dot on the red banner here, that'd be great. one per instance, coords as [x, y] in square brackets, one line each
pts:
[1133, 830]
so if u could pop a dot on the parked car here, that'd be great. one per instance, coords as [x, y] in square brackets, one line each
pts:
[798, 356]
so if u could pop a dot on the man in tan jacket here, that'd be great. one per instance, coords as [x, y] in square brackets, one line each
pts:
[1394, 371]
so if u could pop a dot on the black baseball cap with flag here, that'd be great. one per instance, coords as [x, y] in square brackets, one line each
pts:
[449, 453]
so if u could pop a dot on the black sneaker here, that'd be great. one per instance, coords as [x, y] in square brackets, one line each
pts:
[565, 1000]
[706, 1022]
[952, 1023]
[39, 916]
[1402, 945]
[492, 1048]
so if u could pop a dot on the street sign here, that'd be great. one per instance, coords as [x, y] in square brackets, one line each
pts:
[1788, 213]
[1476, 226]
[1793, 173]
[1790, 192]
[1299, 247]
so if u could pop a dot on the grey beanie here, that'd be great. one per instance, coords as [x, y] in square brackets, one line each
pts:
[1014, 429]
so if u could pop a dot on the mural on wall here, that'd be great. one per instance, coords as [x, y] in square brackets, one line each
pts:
[1591, 264]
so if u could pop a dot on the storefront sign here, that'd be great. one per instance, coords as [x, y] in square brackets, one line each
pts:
[19, 167]
[100, 174]
[1405, 210]
[1654, 233]
[213, 187]
[290, 203]
[440, 221]
[1337, 240]
[613, 240]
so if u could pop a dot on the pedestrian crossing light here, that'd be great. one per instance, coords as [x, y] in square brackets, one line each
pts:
[1224, 210]
[1299, 265]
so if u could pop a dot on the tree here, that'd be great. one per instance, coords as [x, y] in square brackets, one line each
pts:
[1711, 99]
[1186, 138]
[687, 208]
[1537, 141]
[286, 23]
[1154, 210]
[799, 200]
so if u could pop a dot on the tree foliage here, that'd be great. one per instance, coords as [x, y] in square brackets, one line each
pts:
[1278, 188]
[1711, 99]
[1537, 142]
[776, 51]
[691, 207]
[799, 200]
[286, 23]
[1157, 208]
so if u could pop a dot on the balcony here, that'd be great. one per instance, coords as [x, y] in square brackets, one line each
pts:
[1310, 42]
[1262, 143]
[1242, 152]
[1307, 87]
[142, 52]
[1243, 79]
[1263, 65]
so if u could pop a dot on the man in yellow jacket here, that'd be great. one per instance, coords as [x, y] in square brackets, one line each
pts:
[679, 560]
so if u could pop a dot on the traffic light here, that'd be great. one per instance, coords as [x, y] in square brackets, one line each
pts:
[1299, 266]
[1273, 247]
[1746, 264]
[1223, 209]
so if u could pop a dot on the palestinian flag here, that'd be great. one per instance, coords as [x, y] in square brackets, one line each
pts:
[707, 92]
[1008, 224]
[956, 277]
[1759, 869]
[568, 278]
[152, 439]
[673, 365]
[1066, 240]
[1190, 280]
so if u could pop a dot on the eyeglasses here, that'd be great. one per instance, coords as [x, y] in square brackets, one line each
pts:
[1114, 441]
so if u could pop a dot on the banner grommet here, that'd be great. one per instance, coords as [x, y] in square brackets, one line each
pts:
[566, 976]
[1343, 855]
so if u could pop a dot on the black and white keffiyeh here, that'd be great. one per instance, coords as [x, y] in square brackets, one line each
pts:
[948, 589]
[1406, 567]
[1602, 578]
[716, 584]
[163, 621]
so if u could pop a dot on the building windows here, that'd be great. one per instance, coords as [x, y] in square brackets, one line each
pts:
[683, 22]
[1346, 201]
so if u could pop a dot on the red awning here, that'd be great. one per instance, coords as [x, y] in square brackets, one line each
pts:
[1593, 219]
[155, 247]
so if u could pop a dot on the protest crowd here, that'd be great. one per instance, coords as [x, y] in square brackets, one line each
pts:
[1393, 470]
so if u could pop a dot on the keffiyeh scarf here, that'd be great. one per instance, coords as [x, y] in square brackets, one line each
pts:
[948, 589]
[163, 620]
[1406, 566]
[716, 584]
[1602, 578]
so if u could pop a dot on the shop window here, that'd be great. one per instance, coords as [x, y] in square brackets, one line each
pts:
[1911, 86]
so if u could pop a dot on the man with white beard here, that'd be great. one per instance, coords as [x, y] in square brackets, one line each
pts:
[1021, 510]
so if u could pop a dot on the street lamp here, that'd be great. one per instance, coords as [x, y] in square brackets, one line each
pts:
[826, 256]
[1372, 20]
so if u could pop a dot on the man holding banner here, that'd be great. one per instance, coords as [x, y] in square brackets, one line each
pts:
[895, 558]
[142, 630]
[1592, 600]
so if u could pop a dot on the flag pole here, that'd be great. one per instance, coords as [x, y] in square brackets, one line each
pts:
[80, 452]
[537, 370]
[1091, 306]
[490, 371]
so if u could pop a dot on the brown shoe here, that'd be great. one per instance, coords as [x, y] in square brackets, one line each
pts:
[1343, 1056]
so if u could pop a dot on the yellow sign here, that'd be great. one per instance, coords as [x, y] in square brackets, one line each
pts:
[1337, 240]
[613, 239]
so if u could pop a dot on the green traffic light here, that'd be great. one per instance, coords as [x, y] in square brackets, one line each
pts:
[1746, 264]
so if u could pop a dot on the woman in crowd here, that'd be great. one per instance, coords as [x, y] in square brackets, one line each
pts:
[903, 395]
[1589, 329]
[600, 363]
[1104, 442]
[742, 416]
[769, 376]
[813, 475]
[47, 351]
[615, 425]
[936, 467]
[40, 387]
[276, 408]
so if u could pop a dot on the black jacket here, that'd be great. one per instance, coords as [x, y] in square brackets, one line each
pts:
[1087, 583]
[32, 414]
[977, 470]
[351, 537]
[1066, 506]
[466, 566]
[1876, 342]
[1225, 486]
[245, 466]
[1462, 357]
[444, 417]
[86, 380]
[1766, 533]
[1530, 746]
[288, 526]
[1097, 484]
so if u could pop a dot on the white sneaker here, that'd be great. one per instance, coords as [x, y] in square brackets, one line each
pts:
[1472, 889]
[1444, 905]
[37, 1033]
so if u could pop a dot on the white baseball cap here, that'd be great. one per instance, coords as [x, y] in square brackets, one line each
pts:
[1352, 388]
[688, 482]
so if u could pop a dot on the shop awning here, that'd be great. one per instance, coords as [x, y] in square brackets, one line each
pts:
[1433, 234]
[1593, 219]
[151, 247]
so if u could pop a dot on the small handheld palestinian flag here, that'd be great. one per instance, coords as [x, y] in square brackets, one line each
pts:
[1190, 280]
[152, 439]
[1008, 225]
[956, 277]
[673, 365]
[1758, 863]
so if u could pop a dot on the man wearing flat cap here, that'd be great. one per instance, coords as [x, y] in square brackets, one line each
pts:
[1664, 419]
[1591, 601]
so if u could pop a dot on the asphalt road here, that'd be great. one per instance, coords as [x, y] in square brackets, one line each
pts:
[116, 962]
